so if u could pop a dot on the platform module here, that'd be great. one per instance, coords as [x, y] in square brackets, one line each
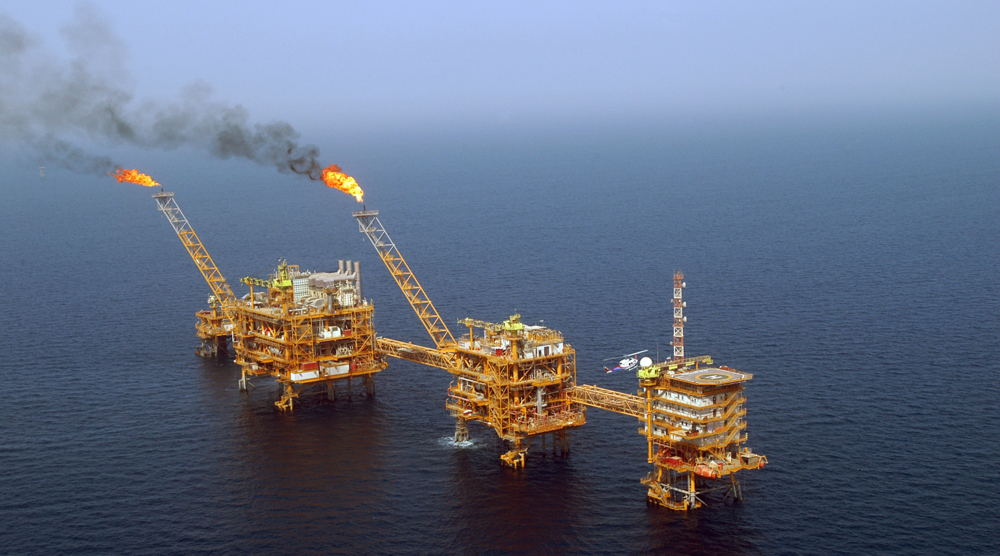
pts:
[512, 377]
[692, 414]
[305, 329]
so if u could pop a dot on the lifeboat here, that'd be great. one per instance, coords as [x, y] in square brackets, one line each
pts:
[706, 471]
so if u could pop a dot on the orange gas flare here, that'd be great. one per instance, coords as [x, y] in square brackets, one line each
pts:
[333, 177]
[132, 176]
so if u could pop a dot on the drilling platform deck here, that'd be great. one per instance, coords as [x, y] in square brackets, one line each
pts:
[304, 329]
[513, 377]
[307, 329]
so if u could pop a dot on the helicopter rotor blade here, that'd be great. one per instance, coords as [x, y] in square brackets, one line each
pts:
[620, 357]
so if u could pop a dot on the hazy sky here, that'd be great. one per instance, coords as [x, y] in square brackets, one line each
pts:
[373, 65]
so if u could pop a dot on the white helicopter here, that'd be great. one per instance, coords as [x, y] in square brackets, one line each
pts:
[627, 363]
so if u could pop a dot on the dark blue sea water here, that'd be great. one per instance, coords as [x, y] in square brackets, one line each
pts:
[851, 267]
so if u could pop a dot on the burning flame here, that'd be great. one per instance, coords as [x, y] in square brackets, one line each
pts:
[333, 177]
[132, 176]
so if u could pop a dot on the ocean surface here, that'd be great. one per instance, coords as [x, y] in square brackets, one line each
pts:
[850, 266]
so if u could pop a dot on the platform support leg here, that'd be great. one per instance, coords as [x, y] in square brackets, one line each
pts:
[461, 430]
[515, 457]
[561, 442]
[207, 349]
[369, 385]
[735, 488]
[222, 347]
[287, 397]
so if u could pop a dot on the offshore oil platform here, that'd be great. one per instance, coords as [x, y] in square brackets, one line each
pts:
[692, 415]
[310, 330]
[307, 330]
[514, 378]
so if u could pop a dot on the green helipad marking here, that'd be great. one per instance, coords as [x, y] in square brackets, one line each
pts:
[713, 376]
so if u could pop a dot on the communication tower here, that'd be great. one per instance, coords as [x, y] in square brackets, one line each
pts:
[679, 318]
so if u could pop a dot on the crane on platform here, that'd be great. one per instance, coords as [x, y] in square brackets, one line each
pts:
[513, 377]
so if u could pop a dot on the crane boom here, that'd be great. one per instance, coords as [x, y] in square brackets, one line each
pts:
[491, 326]
[368, 224]
[216, 282]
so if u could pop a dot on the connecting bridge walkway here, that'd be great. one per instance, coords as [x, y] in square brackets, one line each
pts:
[610, 400]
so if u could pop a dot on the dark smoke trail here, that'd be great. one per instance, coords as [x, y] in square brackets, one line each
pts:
[72, 157]
[49, 105]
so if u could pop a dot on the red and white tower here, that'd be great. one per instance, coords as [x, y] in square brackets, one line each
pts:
[679, 317]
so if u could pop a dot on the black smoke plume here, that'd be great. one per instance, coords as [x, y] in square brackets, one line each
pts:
[51, 105]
